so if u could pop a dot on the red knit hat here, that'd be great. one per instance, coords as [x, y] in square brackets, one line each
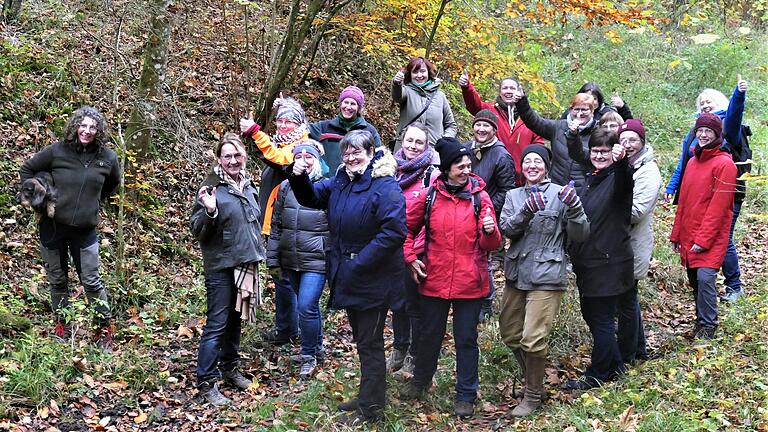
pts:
[711, 121]
[634, 125]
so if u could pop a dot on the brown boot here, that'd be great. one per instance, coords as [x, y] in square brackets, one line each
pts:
[520, 357]
[534, 385]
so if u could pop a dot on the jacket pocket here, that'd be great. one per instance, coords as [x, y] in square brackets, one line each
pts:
[548, 267]
[511, 263]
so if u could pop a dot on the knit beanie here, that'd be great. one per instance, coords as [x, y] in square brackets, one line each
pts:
[486, 116]
[310, 146]
[634, 125]
[711, 121]
[355, 93]
[449, 149]
[544, 152]
[290, 109]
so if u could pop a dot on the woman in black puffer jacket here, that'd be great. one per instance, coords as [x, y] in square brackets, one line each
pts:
[296, 250]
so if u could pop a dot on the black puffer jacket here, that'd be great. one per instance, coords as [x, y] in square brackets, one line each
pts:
[83, 177]
[497, 169]
[233, 236]
[563, 168]
[300, 238]
[604, 262]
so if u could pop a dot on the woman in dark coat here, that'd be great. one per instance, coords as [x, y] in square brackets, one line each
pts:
[85, 173]
[225, 221]
[366, 217]
[603, 262]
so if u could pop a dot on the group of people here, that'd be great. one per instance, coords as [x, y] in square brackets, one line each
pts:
[414, 229]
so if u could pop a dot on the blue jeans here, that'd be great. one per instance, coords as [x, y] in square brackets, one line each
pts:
[433, 321]
[220, 342]
[600, 315]
[286, 314]
[488, 301]
[731, 269]
[308, 287]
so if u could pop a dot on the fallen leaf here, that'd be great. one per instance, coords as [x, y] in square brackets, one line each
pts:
[141, 418]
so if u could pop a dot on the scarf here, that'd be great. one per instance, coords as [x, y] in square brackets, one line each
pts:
[410, 171]
[479, 150]
[421, 86]
[244, 178]
[293, 136]
[503, 106]
[587, 125]
[349, 124]
[248, 290]
[717, 142]
[637, 156]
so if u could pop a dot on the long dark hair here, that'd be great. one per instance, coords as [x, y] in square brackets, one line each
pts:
[594, 89]
[70, 132]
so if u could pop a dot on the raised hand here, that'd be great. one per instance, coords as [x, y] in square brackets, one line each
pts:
[535, 201]
[573, 126]
[617, 102]
[300, 166]
[464, 79]
[742, 84]
[618, 152]
[246, 123]
[399, 77]
[568, 195]
[207, 197]
[278, 101]
[488, 225]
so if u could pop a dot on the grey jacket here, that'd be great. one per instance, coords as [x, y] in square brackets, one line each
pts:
[233, 236]
[437, 120]
[535, 259]
[647, 180]
[299, 238]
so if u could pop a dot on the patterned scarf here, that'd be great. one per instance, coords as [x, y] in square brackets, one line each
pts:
[239, 184]
[409, 171]
[478, 150]
[293, 136]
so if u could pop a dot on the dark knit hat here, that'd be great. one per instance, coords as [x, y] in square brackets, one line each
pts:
[634, 125]
[308, 145]
[355, 93]
[486, 116]
[544, 152]
[711, 121]
[449, 149]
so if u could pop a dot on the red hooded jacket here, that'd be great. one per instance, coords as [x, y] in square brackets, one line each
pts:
[705, 208]
[457, 247]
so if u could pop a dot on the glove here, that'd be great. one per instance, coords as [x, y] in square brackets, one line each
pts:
[568, 196]
[276, 273]
[535, 201]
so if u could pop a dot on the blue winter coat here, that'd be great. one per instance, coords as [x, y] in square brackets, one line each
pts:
[366, 218]
[731, 118]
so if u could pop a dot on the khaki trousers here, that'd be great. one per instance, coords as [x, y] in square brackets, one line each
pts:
[526, 318]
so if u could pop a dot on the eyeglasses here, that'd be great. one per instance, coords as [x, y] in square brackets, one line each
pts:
[352, 155]
[581, 110]
[229, 157]
[598, 152]
[627, 141]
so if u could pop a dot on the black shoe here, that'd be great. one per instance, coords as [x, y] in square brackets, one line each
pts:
[706, 333]
[350, 405]
[274, 337]
[411, 392]
[583, 383]
[463, 409]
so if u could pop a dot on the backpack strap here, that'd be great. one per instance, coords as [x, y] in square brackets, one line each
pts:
[427, 180]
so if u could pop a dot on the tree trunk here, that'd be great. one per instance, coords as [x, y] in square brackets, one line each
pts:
[431, 39]
[11, 10]
[141, 124]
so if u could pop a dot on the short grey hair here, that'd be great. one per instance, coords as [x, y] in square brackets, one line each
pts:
[359, 140]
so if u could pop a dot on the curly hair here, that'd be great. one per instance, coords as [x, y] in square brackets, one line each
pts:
[70, 132]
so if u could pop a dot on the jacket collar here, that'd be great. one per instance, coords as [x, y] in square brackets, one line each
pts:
[383, 164]
[474, 185]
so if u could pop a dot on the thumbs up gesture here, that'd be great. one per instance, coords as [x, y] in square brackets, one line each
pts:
[464, 79]
[489, 226]
[742, 84]
[536, 201]
[248, 126]
[278, 101]
[399, 77]
[616, 101]
[568, 196]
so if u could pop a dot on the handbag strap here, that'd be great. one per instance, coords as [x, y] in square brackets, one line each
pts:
[426, 107]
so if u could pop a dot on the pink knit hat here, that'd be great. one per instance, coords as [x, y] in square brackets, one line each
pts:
[354, 93]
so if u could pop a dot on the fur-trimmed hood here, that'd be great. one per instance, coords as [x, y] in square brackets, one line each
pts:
[384, 164]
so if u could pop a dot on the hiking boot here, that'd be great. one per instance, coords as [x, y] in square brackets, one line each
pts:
[706, 333]
[396, 359]
[236, 379]
[209, 392]
[583, 383]
[308, 367]
[105, 338]
[411, 392]
[276, 338]
[350, 405]
[534, 385]
[355, 419]
[731, 295]
[299, 358]
[62, 332]
[463, 409]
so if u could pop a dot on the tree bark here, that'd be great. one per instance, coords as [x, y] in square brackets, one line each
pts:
[150, 91]
[431, 39]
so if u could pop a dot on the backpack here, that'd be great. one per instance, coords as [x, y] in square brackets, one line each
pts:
[430, 201]
[742, 157]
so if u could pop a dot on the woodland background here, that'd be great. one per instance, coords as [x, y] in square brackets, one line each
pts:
[173, 76]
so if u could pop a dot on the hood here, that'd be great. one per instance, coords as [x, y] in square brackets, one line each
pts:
[648, 156]
[384, 164]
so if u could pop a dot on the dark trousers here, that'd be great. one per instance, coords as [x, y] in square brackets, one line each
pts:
[220, 342]
[600, 314]
[368, 333]
[630, 334]
[731, 269]
[405, 321]
[434, 318]
[705, 295]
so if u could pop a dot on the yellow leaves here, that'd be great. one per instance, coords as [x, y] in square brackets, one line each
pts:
[751, 177]
[141, 418]
[587, 399]
[116, 386]
[705, 38]
[184, 331]
[613, 36]
[677, 62]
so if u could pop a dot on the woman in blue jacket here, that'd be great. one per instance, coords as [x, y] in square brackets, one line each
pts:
[731, 113]
[366, 269]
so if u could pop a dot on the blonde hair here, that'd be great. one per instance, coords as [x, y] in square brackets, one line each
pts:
[721, 102]
[611, 116]
[584, 98]
[231, 138]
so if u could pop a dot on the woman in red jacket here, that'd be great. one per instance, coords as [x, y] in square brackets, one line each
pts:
[460, 232]
[704, 211]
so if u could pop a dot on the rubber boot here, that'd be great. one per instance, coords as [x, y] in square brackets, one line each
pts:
[534, 385]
